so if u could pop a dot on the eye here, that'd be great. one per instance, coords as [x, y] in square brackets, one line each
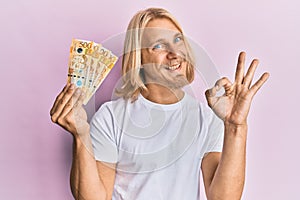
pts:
[158, 46]
[177, 39]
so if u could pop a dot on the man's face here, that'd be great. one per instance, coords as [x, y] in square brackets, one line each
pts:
[163, 54]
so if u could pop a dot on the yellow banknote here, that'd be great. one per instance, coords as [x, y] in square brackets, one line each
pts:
[89, 64]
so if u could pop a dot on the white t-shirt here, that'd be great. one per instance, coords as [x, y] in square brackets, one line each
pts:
[157, 148]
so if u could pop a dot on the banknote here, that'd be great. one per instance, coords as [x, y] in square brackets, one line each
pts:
[89, 64]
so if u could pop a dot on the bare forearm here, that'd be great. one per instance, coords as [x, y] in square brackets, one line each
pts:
[85, 181]
[228, 181]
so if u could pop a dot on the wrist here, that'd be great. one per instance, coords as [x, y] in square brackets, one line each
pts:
[228, 123]
[236, 129]
[81, 143]
[81, 138]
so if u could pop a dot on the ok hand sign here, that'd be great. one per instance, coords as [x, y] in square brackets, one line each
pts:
[233, 106]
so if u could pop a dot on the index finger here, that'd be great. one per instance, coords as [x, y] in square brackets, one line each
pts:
[239, 74]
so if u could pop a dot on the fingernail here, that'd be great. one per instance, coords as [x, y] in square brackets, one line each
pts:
[217, 87]
[72, 86]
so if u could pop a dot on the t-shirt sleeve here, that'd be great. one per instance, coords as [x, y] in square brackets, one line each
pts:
[214, 136]
[103, 135]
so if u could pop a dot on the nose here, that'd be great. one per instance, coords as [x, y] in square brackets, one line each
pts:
[174, 53]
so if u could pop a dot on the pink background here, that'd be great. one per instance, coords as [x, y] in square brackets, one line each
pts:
[35, 155]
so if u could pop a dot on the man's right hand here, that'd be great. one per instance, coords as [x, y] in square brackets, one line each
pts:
[67, 111]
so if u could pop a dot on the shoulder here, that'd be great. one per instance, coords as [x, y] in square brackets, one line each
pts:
[206, 114]
[110, 109]
[112, 105]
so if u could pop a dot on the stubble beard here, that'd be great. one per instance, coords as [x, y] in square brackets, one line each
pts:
[171, 81]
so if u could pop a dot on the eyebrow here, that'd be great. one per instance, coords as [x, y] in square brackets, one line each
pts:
[178, 34]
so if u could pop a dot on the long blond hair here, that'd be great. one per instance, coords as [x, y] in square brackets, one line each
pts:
[132, 78]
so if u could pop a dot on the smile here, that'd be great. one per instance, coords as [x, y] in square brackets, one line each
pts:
[174, 67]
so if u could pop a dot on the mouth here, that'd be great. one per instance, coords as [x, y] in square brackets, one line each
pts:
[174, 67]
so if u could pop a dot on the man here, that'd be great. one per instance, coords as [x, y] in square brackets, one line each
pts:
[152, 142]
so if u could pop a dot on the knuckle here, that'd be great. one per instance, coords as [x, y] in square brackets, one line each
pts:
[77, 92]
[65, 88]
[58, 97]
[207, 92]
[53, 118]
[220, 81]
[69, 118]
[68, 105]
[224, 78]
[81, 99]
[61, 121]
[76, 104]
[79, 102]
[70, 91]
[61, 101]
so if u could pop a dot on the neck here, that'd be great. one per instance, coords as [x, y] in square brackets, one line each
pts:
[162, 95]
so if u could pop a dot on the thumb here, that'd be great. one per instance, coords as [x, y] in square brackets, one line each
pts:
[210, 95]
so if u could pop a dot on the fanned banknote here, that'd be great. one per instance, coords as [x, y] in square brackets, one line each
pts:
[89, 64]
